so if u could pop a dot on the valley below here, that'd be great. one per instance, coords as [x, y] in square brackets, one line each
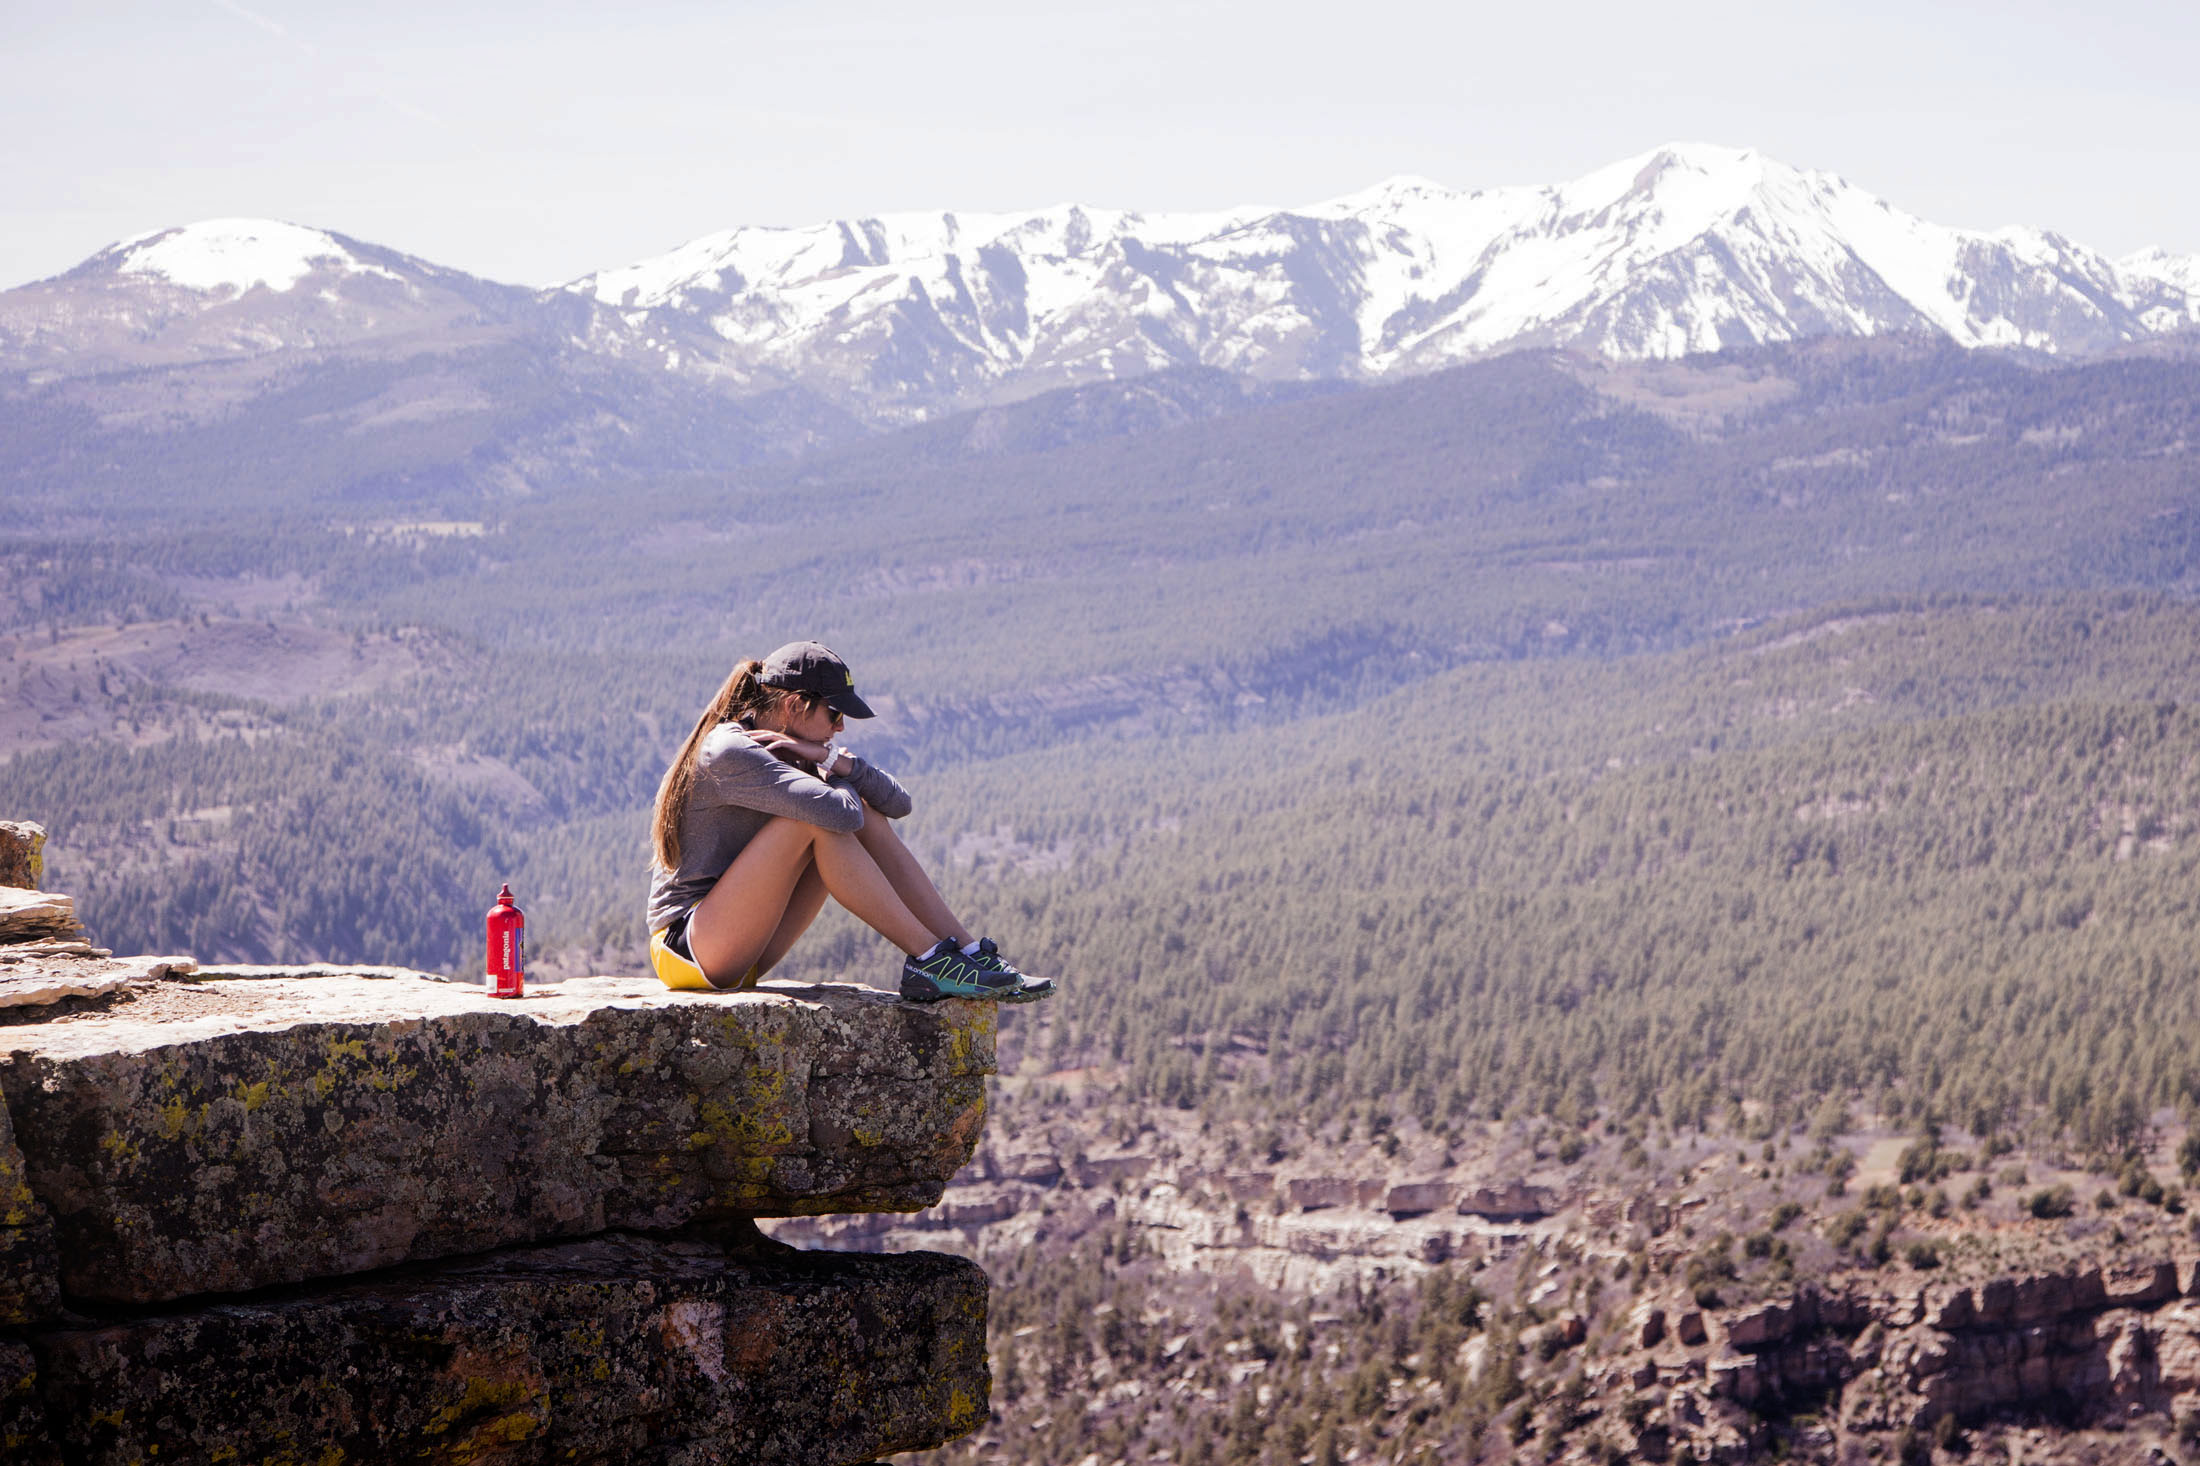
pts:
[1400, 1295]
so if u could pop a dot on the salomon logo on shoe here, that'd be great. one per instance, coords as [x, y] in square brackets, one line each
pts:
[944, 972]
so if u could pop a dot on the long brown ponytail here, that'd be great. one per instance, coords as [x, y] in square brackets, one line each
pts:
[740, 695]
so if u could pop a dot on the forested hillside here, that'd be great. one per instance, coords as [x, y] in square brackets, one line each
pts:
[1935, 856]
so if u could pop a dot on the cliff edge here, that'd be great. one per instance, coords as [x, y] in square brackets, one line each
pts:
[316, 1214]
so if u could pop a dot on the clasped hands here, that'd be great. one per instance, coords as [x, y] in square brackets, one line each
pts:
[789, 749]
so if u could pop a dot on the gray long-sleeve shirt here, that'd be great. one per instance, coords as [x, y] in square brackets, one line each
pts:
[739, 788]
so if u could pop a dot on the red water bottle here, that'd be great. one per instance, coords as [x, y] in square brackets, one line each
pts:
[507, 947]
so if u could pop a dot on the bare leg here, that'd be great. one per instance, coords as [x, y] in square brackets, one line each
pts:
[909, 880]
[802, 908]
[735, 924]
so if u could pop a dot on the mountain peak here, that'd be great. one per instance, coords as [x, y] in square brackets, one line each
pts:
[1701, 156]
[1700, 181]
[234, 255]
[1401, 188]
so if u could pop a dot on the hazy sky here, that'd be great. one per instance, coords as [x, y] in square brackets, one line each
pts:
[535, 142]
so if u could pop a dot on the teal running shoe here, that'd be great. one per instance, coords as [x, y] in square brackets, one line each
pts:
[1032, 990]
[944, 972]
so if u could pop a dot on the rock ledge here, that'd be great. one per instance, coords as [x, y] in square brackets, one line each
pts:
[257, 1214]
[272, 1130]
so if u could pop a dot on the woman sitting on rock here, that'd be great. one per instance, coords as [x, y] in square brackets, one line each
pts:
[763, 815]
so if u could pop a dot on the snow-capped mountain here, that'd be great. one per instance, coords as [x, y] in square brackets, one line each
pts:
[226, 289]
[357, 371]
[1688, 248]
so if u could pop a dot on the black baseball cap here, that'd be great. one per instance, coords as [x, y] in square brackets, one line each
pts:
[811, 667]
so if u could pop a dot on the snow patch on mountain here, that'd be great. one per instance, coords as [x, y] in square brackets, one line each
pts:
[236, 255]
[2156, 263]
[2168, 284]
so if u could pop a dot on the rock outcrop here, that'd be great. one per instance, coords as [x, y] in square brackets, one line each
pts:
[274, 1130]
[2096, 1345]
[1514, 1201]
[2087, 1343]
[22, 854]
[316, 1214]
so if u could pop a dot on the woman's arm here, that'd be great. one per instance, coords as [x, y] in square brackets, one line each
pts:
[733, 768]
[879, 789]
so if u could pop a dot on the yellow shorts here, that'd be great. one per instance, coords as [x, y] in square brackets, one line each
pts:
[681, 973]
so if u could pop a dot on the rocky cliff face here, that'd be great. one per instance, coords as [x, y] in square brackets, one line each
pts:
[326, 1214]
[695, 1347]
[2091, 1347]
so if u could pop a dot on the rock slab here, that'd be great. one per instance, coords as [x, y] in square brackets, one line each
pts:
[36, 916]
[620, 1349]
[35, 975]
[275, 1130]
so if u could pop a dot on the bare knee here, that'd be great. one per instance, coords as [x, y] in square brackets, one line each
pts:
[796, 832]
[784, 827]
